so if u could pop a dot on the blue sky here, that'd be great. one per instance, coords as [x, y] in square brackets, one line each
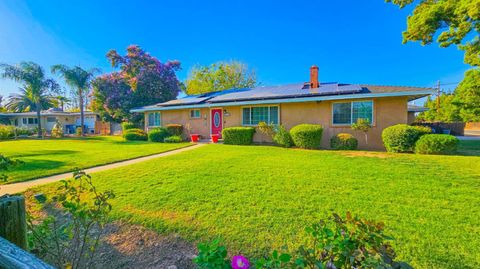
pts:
[351, 41]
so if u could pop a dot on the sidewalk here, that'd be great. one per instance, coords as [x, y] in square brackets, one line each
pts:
[23, 186]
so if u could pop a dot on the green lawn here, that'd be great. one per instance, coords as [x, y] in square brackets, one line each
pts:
[259, 197]
[53, 156]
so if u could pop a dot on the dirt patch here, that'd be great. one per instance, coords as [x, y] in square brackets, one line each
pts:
[133, 246]
[371, 154]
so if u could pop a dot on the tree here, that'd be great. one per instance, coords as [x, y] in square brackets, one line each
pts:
[220, 76]
[467, 96]
[458, 22]
[79, 80]
[37, 90]
[362, 125]
[447, 112]
[142, 80]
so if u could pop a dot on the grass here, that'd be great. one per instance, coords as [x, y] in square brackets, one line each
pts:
[54, 156]
[258, 198]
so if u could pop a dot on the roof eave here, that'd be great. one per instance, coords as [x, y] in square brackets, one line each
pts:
[413, 94]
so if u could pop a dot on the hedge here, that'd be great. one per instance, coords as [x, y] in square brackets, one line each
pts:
[238, 135]
[158, 134]
[173, 139]
[127, 126]
[135, 135]
[402, 137]
[6, 132]
[282, 137]
[307, 136]
[175, 129]
[436, 144]
[343, 141]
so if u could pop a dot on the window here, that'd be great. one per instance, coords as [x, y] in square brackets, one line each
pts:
[195, 114]
[30, 121]
[257, 114]
[349, 112]
[154, 119]
[51, 119]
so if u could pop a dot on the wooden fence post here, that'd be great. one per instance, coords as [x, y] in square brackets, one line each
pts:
[13, 223]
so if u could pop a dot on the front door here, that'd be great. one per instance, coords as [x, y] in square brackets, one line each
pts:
[217, 121]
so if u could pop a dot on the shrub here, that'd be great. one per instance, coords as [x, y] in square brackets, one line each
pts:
[307, 136]
[436, 144]
[57, 130]
[402, 137]
[135, 135]
[127, 126]
[337, 242]
[6, 132]
[24, 131]
[173, 139]
[158, 134]
[78, 131]
[175, 129]
[343, 141]
[238, 135]
[282, 137]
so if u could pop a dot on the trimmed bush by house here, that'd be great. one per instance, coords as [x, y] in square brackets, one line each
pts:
[436, 144]
[402, 137]
[158, 134]
[343, 141]
[282, 137]
[127, 126]
[6, 132]
[78, 131]
[135, 135]
[238, 135]
[173, 139]
[175, 129]
[307, 136]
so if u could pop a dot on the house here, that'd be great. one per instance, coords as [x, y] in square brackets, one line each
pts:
[333, 105]
[69, 120]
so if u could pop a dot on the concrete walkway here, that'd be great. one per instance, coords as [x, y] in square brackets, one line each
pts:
[23, 186]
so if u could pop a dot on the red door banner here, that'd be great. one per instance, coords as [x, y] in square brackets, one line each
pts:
[217, 121]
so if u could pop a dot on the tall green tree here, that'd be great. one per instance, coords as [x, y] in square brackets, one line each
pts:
[220, 76]
[467, 96]
[444, 110]
[80, 81]
[36, 92]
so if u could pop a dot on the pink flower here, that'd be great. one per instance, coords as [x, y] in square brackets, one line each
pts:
[240, 262]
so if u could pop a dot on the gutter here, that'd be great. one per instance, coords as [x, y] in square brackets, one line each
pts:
[290, 100]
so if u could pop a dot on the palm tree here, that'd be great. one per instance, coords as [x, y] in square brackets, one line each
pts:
[35, 95]
[79, 80]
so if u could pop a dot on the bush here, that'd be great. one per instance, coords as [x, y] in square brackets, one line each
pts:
[343, 141]
[6, 132]
[158, 134]
[24, 131]
[127, 126]
[135, 135]
[238, 135]
[307, 136]
[173, 139]
[57, 130]
[78, 131]
[402, 137]
[282, 137]
[436, 144]
[175, 129]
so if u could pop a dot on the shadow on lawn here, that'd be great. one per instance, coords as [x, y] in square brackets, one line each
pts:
[45, 152]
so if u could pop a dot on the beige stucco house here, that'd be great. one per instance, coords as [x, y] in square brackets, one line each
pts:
[333, 105]
[48, 118]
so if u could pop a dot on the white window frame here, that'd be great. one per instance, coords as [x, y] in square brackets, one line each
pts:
[193, 111]
[159, 119]
[269, 106]
[351, 112]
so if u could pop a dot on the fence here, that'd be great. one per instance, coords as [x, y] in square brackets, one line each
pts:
[455, 128]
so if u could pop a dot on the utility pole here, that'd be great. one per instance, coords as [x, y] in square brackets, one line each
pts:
[438, 96]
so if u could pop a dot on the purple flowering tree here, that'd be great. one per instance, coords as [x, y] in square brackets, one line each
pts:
[142, 80]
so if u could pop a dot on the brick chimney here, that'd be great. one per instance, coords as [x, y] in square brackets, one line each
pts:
[314, 77]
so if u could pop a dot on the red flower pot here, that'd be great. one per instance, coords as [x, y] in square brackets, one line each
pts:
[195, 137]
[214, 138]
